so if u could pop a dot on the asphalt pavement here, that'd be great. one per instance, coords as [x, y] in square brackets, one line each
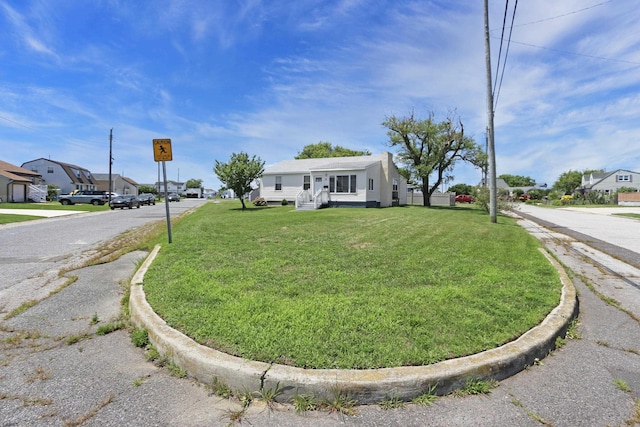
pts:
[56, 370]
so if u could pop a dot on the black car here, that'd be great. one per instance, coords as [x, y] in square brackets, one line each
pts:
[128, 201]
[147, 199]
[173, 197]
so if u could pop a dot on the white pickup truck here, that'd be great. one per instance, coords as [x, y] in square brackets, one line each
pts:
[90, 197]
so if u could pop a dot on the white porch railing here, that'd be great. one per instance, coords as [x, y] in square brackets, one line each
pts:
[304, 199]
[37, 193]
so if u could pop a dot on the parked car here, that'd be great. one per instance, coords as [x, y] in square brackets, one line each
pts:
[147, 199]
[173, 197]
[128, 201]
[465, 198]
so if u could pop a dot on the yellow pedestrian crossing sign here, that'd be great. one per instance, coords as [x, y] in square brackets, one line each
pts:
[162, 150]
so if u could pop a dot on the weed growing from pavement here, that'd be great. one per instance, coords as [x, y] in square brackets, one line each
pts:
[109, 327]
[74, 339]
[220, 388]
[475, 386]
[622, 385]
[40, 374]
[236, 415]
[269, 395]
[95, 320]
[245, 397]
[305, 402]
[340, 402]
[529, 413]
[27, 401]
[573, 331]
[608, 300]
[84, 418]
[391, 402]
[635, 417]
[140, 337]
[176, 371]
[21, 309]
[427, 398]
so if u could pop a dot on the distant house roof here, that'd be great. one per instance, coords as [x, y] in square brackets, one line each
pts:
[84, 176]
[592, 179]
[16, 173]
[324, 164]
[105, 177]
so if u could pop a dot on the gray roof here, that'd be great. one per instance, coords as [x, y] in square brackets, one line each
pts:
[331, 163]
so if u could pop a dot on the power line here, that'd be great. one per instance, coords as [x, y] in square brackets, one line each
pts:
[601, 58]
[564, 14]
[17, 123]
[504, 62]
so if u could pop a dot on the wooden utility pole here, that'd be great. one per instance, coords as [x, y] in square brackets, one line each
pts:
[491, 153]
[110, 163]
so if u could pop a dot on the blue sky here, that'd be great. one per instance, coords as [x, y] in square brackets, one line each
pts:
[268, 77]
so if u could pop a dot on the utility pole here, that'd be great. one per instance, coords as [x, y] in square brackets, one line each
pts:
[491, 153]
[110, 163]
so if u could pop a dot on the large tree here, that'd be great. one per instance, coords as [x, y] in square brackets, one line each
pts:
[569, 181]
[325, 149]
[194, 183]
[239, 173]
[518, 180]
[430, 149]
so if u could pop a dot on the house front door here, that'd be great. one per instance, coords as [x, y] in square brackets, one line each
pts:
[317, 184]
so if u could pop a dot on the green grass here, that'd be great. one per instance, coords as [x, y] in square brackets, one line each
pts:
[628, 215]
[350, 288]
[54, 206]
[10, 218]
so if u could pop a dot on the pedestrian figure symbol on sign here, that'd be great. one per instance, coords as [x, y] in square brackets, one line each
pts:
[162, 150]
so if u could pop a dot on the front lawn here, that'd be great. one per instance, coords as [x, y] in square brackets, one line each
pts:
[55, 206]
[350, 288]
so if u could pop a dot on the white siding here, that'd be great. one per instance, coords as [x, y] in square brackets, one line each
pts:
[59, 177]
[611, 184]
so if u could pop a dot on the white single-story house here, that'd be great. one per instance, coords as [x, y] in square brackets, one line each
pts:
[66, 176]
[610, 182]
[359, 181]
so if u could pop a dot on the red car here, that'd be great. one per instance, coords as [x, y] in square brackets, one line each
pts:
[465, 198]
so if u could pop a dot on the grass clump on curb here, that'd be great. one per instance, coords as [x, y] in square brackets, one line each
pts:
[350, 288]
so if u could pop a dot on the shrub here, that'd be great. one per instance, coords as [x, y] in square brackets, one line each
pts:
[567, 199]
[284, 202]
[482, 199]
[259, 201]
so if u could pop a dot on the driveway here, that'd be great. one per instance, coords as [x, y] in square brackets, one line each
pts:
[55, 370]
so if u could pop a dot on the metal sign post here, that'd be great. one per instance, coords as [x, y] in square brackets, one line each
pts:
[162, 153]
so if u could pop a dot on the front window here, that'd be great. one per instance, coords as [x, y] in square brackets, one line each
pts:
[49, 169]
[370, 184]
[395, 184]
[306, 183]
[342, 184]
[623, 178]
[278, 183]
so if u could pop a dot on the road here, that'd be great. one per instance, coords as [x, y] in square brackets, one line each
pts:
[104, 380]
[39, 249]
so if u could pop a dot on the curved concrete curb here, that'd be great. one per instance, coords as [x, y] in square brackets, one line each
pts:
[366, 386]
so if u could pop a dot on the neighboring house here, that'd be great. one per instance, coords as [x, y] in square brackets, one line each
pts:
[361, 181]
[119, 184]
[609, 182]
[172, 187]
[66, 176]
[19, 184]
